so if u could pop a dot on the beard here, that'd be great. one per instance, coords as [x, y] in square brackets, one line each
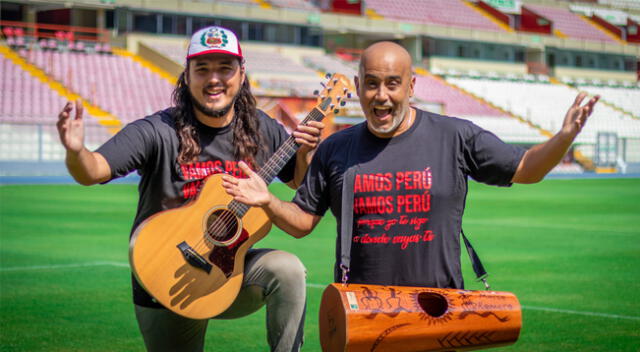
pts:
[212, 112]
[396, 121]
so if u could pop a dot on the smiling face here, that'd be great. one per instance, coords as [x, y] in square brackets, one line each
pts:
[214, 82]
[385, 85]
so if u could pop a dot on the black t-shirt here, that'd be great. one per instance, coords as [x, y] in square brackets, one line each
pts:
[409, 196]
[150, 147]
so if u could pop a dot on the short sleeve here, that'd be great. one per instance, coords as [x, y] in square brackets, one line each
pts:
[129, 148]
[312, 196]
[488, 159]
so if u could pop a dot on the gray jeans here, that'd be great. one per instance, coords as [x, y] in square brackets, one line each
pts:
[271, 277]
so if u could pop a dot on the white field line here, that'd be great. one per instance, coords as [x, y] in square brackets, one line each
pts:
[62, 266]
[591, 314]
[524, 223]
[311, 285]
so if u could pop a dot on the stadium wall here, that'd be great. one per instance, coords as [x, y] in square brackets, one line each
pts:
[160, 60]
[603, 75]
[444, 63]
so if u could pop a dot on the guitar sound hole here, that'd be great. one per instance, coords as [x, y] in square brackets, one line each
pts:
[433, 304]
[222, 225]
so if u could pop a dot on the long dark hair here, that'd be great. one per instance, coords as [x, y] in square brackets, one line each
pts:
[246, 136]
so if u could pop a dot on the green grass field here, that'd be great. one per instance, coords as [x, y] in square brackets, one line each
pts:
[569, 249]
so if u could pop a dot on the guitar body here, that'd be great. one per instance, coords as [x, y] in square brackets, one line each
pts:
[191, 259]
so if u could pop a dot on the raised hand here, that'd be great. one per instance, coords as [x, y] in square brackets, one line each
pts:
[251, 191]
[71, 129]
[308, 136]
[577, 115]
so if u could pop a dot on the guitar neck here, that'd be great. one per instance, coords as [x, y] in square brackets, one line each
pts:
[278, 160]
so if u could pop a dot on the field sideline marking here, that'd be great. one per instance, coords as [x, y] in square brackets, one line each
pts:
[312, 285]
[593, 314]
[521, 224]
[63, 266]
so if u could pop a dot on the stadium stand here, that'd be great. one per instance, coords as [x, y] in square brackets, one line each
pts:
[496, 71]
[24, 98]
[172, 51]
[28, 113]
[115, 83]
[544, 103]
[331, 64]
[454, 13]
[258, 61]
[460, 104]
[455, 102]
[628, 99]
[570, 24]
[247, 2]
[294, 4]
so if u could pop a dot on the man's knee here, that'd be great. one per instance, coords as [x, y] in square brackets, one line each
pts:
[286, 268]
[276, 270]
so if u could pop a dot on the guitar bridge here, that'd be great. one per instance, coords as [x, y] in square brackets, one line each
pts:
[193, 258]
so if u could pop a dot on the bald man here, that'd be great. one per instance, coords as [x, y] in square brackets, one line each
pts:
[407, 179]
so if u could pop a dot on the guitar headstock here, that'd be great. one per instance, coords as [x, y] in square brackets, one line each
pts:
[334, 94]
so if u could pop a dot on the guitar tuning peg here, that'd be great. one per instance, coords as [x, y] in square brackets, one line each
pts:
[338, 98]
[329, 89]
[328, 75]
[316, 92]
[344, 90]
[332, 106]
[335, 81]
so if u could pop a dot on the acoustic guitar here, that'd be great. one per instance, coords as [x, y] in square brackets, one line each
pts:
[191, 258]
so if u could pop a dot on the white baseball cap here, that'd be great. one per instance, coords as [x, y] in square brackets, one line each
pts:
[214, 39]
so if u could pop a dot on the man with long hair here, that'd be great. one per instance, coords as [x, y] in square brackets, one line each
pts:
[213, 125]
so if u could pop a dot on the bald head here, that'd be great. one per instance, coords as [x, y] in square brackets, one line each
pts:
[386, 52]
[385, 85]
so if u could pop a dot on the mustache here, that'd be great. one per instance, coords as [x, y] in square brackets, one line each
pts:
[211, 112]
[211, 87]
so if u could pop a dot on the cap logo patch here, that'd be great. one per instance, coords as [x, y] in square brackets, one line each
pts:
[214, 38]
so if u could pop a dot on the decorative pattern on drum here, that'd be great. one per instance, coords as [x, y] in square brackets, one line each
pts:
[393, 318]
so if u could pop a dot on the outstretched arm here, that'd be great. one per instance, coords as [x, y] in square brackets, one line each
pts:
[253, 191]
[86, 167]
[540, 159]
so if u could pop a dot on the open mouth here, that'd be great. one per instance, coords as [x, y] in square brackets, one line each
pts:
[213, 94]
[381, 111]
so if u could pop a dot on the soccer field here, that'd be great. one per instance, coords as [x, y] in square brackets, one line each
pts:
[568, 249]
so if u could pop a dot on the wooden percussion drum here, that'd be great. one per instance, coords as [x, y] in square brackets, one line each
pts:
[357, 317]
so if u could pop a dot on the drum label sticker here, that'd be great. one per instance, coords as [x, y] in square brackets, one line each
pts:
[353, 300]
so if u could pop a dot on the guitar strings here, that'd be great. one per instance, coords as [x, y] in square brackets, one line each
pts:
[224, 223]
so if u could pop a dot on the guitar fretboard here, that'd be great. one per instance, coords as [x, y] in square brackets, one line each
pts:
[279, 159]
